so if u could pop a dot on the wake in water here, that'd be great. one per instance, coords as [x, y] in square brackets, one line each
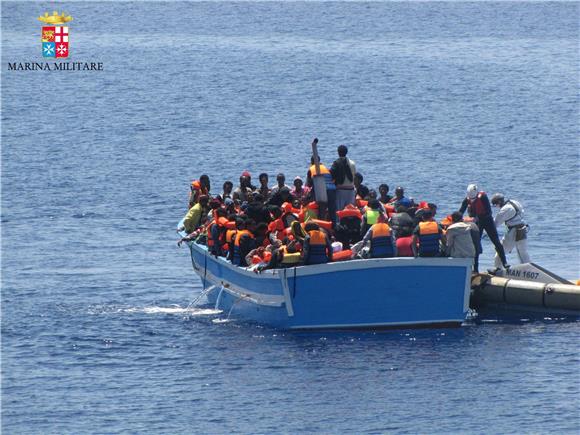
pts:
[176, 309]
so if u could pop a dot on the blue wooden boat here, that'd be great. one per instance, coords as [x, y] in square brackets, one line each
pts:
[357, 294]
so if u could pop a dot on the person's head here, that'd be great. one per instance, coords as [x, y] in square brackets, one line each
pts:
[342, 151]
[204, 181]
[281, 179]
[204, 200]
[456, 216]
[228, 186]
[248, 176]
[471, 191]
[374, 204]
[311, 226]
[251, 225]
[298, 183]
[195, 185]
[383, 189]
[427, 215]
[263, 177]
[372, 194]
[214, 204]
[313, 160]
[284, 193]
[498, 200]
[221, 212]
[258, 197]
[358, 179]
[229, 204]
[399, 192]
[276, 211]
[433, 208]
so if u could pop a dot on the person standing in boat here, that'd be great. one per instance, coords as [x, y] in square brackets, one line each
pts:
[511, 213]
[343, 171]
[317, 248]
[281, 183]
[330, 204]
[477, 205]
[300, 192]
[227, 190]
[244, 191]
[384, 197]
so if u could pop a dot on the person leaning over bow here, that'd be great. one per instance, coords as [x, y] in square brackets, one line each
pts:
[343, 171]
[194, 217]
[479, 208]
[511, 213]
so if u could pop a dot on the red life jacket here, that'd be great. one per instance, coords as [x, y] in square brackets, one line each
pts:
[476, 205]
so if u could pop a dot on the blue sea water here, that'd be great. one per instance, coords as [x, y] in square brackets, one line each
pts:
[95, 175]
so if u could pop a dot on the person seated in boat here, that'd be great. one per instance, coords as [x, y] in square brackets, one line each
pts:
[380, 239]
[288, 214]
[257, 210]
[462, 239]
[196, 215]
[384, 196]
[371, 216]
[276, 223]
[300, 192]
[326, 209]
[264, 190]
[362, 191]
[427, 237]
[260, 231]
[400, 198]
[281, 182]
[216, 232]
[401, 222]
[243, 241]
[227, 190]
[348, 228]
[317, 248]
[244, 191]
[281, 196]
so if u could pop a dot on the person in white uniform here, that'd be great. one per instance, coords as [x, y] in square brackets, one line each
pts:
[511, 213]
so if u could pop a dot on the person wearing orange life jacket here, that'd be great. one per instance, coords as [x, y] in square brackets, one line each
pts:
[330, 204]
[380, 238]
[244, 242]
[197, 189]
[428, 235]
[216, 232]
[478, 206]
[317, 248]
[348, 227]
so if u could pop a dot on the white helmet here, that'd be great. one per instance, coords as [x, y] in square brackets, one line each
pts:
[472, 191]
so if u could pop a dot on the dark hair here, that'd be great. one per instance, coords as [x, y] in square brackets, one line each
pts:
[386, 186]
[276, 211]
[258, 197]
[228, 183]
[281, 174]
[263, 175]
[312, 160]
[221, 212]
[311, 226]
[359, 176]
[456, 216]
[374, 204]
[427, 214]
[342, 151]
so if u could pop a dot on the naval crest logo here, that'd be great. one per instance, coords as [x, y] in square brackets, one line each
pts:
[55, 38]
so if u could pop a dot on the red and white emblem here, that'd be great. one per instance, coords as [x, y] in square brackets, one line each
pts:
[61, 41]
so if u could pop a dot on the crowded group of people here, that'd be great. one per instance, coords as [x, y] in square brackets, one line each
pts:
[332, 216]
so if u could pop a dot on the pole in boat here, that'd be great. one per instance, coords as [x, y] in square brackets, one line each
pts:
[318, 182]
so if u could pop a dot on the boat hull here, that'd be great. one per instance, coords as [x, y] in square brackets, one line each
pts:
[357, 294]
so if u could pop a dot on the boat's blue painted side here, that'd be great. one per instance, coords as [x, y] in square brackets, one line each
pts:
[372, 294]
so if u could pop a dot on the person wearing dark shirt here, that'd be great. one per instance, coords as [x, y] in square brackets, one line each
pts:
[384, 194]
[478, 207]
[281, 196]
[362, 191]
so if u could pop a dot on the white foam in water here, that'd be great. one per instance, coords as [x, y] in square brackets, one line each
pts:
[174, 310]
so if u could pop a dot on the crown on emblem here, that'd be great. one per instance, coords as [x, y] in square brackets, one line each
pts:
[55, 18]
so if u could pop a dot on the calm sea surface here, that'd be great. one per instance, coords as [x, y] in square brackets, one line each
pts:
[95, 174]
